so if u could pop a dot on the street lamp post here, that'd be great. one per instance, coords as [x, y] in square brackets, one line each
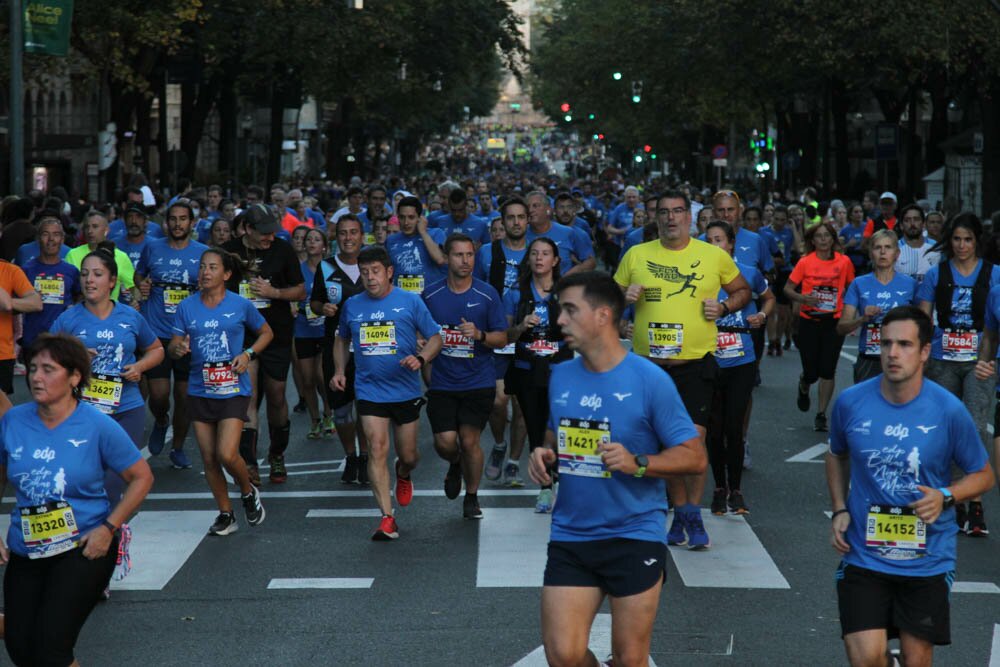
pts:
[15, 123]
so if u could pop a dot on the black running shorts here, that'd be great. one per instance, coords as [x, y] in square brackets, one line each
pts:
[870, 600]
[619, 567]
[402, 412]
[695, 382]
[447, 410]
[179, 368]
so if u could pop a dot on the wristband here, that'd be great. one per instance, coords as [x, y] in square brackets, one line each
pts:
[725, 308]
[421, 360]
[110, 526]
[250, 353]
[482, 337]
[834, 515]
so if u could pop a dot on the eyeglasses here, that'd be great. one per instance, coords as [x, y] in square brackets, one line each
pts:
[680, 210]
[726, 193]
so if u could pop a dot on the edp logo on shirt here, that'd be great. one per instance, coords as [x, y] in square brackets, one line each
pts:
[593, 402]
[897, 431]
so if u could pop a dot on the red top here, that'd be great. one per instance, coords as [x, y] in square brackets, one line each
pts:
[826, 278]
[870, 226]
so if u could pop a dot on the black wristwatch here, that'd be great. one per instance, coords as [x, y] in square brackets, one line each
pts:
[421, 360]
[725, 308]
[949, 500]
[250, 353]
[642, 462]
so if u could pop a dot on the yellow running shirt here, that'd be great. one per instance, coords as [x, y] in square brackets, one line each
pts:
[669, 316]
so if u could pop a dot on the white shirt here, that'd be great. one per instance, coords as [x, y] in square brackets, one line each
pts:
[915, 262]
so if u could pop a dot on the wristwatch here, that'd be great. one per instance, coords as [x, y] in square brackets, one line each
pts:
[250, 353]
[643, 463]
[949, 500]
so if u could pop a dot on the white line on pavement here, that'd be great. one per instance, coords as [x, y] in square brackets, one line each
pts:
[850, 357]
[995, 650]
[286, 584]
[599, 644]
[278, 495]
[974, 587]
[737, 559]
[342, 514]
[513, 547]
[161, 544]
[809, 455]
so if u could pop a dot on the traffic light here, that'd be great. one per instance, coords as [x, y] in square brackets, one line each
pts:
[600, 137]
[636, 91]
[590, 116]
[638, 158]
[647, 149]
[652, 156]
[564, 107]
[617, 76]
[763, 167]
[597, 137]
[568, 118]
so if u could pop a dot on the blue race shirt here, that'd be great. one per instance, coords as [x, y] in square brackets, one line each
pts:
[750, 249]
[308, 324]
[892, 449]
[66, 463]
[58, 285]
[783, 242]
[511, 300]
[133, 250]
[620, 218]
[961, 303]
[412, 266]
[633, 238]
[384, 332]
[571, 242]
[735, 348]
[464, 363]
[855, 253]
[484, 262]
[30, 250]
[634, 404]
[473, 226]
[174, 273]
[116, 230]
[116, 340]
[867, 291]
[216, 338]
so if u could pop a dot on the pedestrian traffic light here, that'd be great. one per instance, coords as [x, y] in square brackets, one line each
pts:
[636, 91]
[617, 76]
[564, 107]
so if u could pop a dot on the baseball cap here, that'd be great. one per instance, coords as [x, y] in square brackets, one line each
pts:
[136, 208]
[888, 195]
[260, 218]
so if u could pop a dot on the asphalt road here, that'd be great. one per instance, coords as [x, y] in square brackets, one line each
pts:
[315, 590]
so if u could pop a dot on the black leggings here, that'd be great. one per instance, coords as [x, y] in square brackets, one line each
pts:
[819, 348]
[725, 428]
[48, 600]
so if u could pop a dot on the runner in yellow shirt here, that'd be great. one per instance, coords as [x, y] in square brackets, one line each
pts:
[674, 283]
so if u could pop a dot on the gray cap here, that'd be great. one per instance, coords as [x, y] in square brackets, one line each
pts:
[262, 219]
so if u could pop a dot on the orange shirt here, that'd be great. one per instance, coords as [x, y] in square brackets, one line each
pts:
[290, 222]
[13, 280]
[826, 278]
[870, 226]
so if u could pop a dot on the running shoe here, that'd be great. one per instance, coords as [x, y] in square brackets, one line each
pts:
[157, 439]
[453, 481]
[820, 423]
[470, 508]
[253, 472]
[316, 432]
[961, 517]
[495, 463]
[404, 488]
[770, 349]
[300, 407]
[977, 521]
[350, 474]
[747, 461]
[737, 504]
[224, 524]
[697, 536]
[387, 530]
[719, 502]
[803, 399]
[363, 470]
[543, 505]
[677, 535]
[329, 426]
[278, 473]
[179, 459]
[253, 507]
[788, 344]
[512, 475]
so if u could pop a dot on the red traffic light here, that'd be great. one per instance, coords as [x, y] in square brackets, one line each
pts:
[564, 107]
[647, 148]
[600, 137]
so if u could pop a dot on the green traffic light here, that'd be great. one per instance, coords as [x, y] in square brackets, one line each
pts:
[590, 117]
[568, 118]
[652, 156]
[636, 98]
[617, 76]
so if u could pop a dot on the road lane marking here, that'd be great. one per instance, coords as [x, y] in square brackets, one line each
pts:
[161, 543]
[809, 455]
[360, 493]
[599, 644]
[513, 547]
[323, 583]
[974, 587]
[343, 514]
[737, 559]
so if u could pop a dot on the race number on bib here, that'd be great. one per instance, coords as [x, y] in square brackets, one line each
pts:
[665, 339]
[173, 295]
[220, 379]
[729, 345]
[873, 339]
[827, 296]
[411, 283]
[895, 533]
[960, 345]
[247, 293]
[578, 440]
[378, 338]
[48, 529]
[52, 290]
[104, 392]
[455, 344]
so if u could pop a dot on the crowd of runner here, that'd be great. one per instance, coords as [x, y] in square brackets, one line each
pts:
[619, 330]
